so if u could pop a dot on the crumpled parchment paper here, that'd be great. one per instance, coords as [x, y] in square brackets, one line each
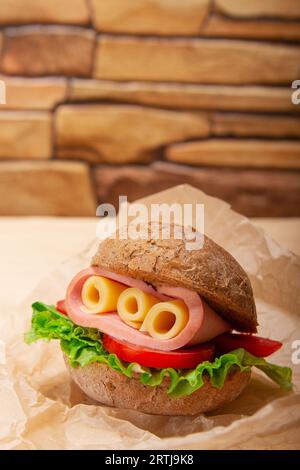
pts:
[41, 409]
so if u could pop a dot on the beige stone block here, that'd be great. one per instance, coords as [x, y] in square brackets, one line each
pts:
[196, 60]
[253, 192]
[46, 188]
[255, 125]
[25, 134]
[186, 96]
[34, 93]
[223, 26]
[260, 8]
[48, 50]
[2, 86]
[2, 93]
[238, 153]
[162, 17]
[43, 11]
[121, 133]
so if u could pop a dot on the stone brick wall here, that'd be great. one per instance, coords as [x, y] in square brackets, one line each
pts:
[133, 96]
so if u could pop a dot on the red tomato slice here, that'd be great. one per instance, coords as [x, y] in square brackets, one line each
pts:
[260, 347]
[180, 359]
[61, 307]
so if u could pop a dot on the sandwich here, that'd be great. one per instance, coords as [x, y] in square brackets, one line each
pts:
[158, 328]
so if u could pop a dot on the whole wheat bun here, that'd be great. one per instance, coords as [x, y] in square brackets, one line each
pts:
[211, 271]
[105, 385]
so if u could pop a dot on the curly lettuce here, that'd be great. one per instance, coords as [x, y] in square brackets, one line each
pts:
[83, 346]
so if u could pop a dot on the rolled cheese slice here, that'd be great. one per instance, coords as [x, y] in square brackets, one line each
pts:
[165, 320]
[203, 325]
[133, 306]
[100, 295]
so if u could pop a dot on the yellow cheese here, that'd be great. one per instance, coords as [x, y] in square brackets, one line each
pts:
[100, 295]
[166, 320]
[133, 306]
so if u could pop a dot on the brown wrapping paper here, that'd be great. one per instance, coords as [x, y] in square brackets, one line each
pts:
[41, 409]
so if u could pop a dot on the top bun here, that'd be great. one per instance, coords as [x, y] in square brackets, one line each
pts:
[211, 271]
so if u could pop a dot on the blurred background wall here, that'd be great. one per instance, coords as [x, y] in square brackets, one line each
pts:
[109, 97]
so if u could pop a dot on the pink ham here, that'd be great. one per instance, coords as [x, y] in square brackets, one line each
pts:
[203, 325]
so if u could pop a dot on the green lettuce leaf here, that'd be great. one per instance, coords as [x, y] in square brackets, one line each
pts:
[82, 346]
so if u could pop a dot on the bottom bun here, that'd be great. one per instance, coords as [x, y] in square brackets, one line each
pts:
[105, 385]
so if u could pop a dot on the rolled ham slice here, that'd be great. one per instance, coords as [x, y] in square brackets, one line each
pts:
[203, 324]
